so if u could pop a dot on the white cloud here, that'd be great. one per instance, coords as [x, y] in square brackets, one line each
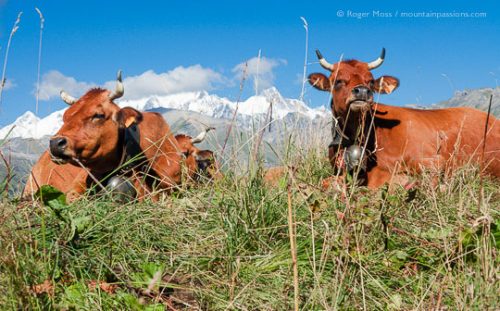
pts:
[180, 79]
[259, 70]
[9, 84]
[54, 81]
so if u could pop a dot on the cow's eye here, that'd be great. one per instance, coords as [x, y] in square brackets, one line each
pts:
[339, 83]
[98, 116]
[371, 83]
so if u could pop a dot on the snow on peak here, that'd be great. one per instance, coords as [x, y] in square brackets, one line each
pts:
[24, 126]
[272, 94]
[292, 105]
[27, 118]
[30, 126]
[272, 99]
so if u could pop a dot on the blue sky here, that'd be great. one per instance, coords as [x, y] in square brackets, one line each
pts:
[170, 46]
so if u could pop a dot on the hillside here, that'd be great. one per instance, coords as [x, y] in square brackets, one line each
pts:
[476, 98]
[227, 245]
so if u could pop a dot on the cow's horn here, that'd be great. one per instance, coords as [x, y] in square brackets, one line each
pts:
[201, 137]
[68, 99]
[376, 63]
[119, 90]
[323, 61]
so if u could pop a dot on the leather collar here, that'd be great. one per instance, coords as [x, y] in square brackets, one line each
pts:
[131, 149]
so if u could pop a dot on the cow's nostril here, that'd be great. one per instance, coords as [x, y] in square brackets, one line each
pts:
[361, 93]
[58, 145]
[61, 143]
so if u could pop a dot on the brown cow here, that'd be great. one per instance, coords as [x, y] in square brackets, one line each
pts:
[74, 180]
[206, 165]
[98, 137]
[399, 140]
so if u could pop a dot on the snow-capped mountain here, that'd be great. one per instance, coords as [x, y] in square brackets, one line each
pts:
[30, 126]
[222, 108]
[24, 126]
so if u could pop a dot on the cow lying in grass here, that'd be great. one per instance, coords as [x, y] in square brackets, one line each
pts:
[99, 139]
[383, 143]
[207, 167]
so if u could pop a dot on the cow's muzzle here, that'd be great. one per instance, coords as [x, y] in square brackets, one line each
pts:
[361, 92]
[57, 149]
[359, 105]
[361, 98]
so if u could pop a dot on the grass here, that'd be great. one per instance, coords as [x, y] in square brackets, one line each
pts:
[226, 245]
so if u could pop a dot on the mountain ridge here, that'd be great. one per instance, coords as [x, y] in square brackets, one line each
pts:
[30, 126]
[475, 98]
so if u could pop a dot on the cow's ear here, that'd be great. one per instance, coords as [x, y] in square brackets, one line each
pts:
[320, 81]
[386, 84]
[127, 116]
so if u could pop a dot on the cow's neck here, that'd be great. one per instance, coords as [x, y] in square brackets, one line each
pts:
[121, 162]
[106, 165]
[131, 152]
[353, 126]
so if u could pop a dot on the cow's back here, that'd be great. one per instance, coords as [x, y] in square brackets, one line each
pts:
[161, 148]
[440, 138]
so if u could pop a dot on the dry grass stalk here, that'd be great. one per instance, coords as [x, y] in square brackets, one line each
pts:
[306, 27]
[12, 32]
[42, 20]
[293, 246]
[481, 194]
[233, 120]
[9, 176]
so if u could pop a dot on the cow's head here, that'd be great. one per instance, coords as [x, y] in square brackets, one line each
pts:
[208, 167]
[352, 84]
[187, 143]
[205, 160]
[91, 131]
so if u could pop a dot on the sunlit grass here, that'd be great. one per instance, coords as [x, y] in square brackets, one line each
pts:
[225, 245]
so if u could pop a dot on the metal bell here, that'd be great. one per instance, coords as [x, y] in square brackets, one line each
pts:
[353, 157]
[121, 188]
